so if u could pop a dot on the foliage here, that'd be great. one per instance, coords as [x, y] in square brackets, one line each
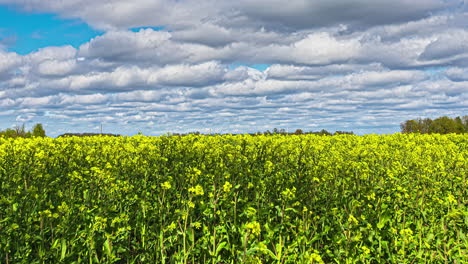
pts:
[441, 125]
[88, 135]
[38, 131]
[235, 199]
[20, 131]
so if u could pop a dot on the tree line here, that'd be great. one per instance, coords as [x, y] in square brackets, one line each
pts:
[20, 132]
[441, 125]
[275, 131]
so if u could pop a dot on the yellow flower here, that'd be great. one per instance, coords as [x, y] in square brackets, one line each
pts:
[197, 190]
[166, 185]
[316, 258]
[196, 225]
[365, 249]
[254, 228]
[227, 186]
[406, 232]
[451, 199]
[352, 220]
[171, 227]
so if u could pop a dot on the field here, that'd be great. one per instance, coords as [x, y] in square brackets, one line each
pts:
[398, 198]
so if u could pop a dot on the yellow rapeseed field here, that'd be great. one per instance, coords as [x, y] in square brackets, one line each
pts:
[398, 198]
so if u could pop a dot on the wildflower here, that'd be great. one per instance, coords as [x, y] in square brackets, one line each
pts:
[371, 196]
[407, 235]
[46, 213]
[316, 258]
[365, 249]
[406, 232]
[196, 225]
[451, 199]
[197, 190]
[289, 194]
[254, 228]
[352, 220]
[171, 227]
[227, 186]
[166, 185]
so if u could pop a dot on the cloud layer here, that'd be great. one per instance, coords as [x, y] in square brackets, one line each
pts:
[356, 65]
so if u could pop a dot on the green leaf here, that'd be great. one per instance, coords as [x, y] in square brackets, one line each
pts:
[220, 246]
[64, 249]
[107, 247]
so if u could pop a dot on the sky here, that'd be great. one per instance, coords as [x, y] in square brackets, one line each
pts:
[222, 66]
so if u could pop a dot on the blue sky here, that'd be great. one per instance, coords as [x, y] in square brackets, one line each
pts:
[222, 66]
[28, 32]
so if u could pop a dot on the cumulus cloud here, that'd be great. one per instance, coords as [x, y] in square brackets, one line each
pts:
[297, 14]
[447, 46]
[8, 61]
[340, 65]
[300, 14]
[56, 68]
[457, 74]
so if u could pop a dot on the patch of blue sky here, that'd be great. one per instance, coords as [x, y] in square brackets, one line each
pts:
[153, 28]
[260, 67]
[436, 72]
[24, 33]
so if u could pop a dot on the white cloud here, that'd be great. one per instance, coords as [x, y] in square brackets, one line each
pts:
[356, 65]
[56, 68]
[447, 45]
[52, 53]
[296, 14]
[318, 48]
[8, 61]
[457, 74]
[188, 75]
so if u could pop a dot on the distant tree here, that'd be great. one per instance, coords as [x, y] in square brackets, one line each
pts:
[89, 135]
[324, 132]
[38, 131]
[441, 125]
[20, 131]
[9, 133]
[344, 133]
[410, 126]
[459, 127]
[425, 125]
[298, 132]
[465, 122]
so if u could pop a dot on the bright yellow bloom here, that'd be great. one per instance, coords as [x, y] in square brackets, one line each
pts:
[171, 227]
[196, 225]
[254, 228]
[365, 249]
[166, 185]
[197, 190]
[352, 220]
[227, 186]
